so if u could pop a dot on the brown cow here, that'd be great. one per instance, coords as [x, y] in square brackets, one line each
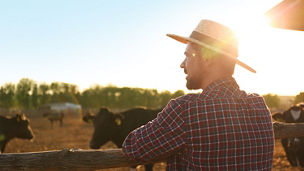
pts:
[54, 116]
[15, 127]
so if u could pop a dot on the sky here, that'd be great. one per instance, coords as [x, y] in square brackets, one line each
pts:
[124, 43]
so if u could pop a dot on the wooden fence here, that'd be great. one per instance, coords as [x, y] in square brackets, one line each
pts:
[82, 160]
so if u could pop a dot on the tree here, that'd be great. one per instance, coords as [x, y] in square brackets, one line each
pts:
[55, 91]
[272, 101]
[299, 98]
[24, 92]
[27, 94]
[150, 98]
[7, 96]
[164, 98]
[35, 97]
[178, 93]
[68, 93]
[63, 92]
[44, 94]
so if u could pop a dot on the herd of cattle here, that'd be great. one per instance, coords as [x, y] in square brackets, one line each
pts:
[115, 127]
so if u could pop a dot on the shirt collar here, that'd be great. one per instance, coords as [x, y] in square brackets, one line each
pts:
[222, 87]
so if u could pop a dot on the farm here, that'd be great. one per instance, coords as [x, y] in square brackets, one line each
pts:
[75, 133]
[123, 43]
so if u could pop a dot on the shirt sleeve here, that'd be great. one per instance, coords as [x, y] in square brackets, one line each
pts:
[159, 137]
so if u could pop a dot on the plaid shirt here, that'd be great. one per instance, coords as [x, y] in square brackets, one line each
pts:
[223, 128]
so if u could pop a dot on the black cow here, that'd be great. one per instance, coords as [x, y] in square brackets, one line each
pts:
[116, 127]
[294, 147]
[88, 117]
[54, 116]
[15, 127]
[301, 104]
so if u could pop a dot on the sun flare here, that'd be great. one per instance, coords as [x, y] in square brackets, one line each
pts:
[276, 55]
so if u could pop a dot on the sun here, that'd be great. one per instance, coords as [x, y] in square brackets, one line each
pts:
[276, 55]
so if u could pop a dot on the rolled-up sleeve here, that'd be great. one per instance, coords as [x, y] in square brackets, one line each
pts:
[159, 137]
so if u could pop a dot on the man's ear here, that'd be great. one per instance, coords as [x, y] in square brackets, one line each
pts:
[206, 63]
[214, 61]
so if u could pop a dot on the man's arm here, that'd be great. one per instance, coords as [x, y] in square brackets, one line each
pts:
[158, 138]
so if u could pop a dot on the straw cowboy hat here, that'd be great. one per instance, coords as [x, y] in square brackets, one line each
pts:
[216, 37]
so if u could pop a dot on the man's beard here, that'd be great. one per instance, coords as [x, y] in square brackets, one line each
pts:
[193, 84]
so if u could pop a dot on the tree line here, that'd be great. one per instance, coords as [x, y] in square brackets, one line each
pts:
[273, 100]
[28, 94]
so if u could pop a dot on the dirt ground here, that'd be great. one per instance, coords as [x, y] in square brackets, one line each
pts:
[76, 134]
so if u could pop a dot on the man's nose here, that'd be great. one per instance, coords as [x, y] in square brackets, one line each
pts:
[182, 65]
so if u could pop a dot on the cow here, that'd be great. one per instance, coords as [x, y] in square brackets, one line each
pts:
[116, 127]
[14, 127]
[301, 104]
[54, 116]
[88, 117]
[294, 146]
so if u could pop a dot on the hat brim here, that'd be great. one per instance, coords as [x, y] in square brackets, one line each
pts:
[186, 40]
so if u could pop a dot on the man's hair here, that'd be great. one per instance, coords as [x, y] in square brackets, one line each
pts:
[227, 63]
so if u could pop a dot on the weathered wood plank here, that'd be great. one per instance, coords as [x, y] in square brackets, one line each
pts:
[69, 159]
[285, 130]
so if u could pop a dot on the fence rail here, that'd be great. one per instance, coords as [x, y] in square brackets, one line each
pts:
[67, 159]
[83, 160]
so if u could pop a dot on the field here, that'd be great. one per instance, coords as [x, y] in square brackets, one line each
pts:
[76, 134]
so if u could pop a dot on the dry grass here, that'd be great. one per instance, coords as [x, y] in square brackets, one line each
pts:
[76, 134]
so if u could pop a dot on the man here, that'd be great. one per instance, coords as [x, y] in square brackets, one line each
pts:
[222, 128]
